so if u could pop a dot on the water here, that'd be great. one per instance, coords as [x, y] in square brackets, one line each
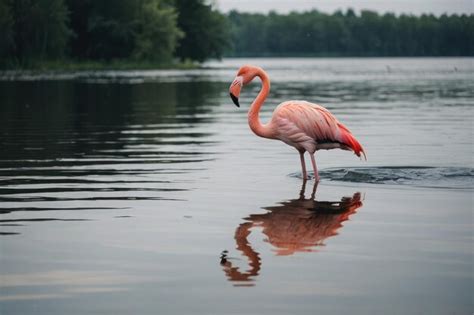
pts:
[145, 192]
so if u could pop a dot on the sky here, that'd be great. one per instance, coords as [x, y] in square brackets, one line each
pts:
[415, 7]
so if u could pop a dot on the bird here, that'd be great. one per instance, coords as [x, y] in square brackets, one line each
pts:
[303, 125]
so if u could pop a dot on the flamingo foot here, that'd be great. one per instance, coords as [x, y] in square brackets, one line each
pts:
[317, 178]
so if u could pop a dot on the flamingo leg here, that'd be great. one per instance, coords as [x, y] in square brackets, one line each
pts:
[303, 166]
[303, 189]
[315, 169]
[313, 193]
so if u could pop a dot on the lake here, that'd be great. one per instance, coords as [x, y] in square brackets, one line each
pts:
[145, 192]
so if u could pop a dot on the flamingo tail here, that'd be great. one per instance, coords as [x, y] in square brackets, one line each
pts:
[349, 140]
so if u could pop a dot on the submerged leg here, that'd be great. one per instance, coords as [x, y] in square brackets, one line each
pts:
[313, 193]
[303, 166]
[315, 169]
[303, 189]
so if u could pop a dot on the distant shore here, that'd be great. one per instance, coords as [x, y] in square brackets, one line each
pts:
[64, 66]
[87, 65]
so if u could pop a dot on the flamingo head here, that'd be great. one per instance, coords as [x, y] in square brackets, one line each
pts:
[244, 76]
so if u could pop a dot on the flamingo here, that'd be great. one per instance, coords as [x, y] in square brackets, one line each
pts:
[303, 125]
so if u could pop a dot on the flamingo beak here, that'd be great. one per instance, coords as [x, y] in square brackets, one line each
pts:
[235, 88]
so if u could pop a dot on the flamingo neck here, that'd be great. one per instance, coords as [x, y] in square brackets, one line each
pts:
[253, 116]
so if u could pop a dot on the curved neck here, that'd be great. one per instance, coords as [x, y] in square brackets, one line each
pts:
[234, 273]
[253, 116]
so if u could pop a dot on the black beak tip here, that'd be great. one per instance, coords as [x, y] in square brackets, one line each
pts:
[234, 99]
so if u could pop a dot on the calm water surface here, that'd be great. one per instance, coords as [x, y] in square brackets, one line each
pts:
[145, 192]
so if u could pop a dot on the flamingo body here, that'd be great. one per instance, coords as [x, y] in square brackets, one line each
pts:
[303, 125]
[311, 127]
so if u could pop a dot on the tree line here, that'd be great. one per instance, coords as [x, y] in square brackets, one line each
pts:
[157, 31]
[314, 33]
[162, 31]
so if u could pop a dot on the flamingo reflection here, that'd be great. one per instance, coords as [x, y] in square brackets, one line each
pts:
[296, 225]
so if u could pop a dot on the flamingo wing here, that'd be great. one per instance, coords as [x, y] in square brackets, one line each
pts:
[311, 127]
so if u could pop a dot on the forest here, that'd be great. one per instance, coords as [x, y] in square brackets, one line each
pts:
[349, 34]
[167, 32]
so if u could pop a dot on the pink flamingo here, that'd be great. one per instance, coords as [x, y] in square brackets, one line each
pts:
[306, 126]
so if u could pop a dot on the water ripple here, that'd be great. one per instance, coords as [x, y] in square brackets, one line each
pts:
[420, 176]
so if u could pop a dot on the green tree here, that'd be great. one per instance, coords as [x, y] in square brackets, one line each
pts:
[206, 32]
[158, 33]
[7, 42]
[39, 29]
[109, 30]
[248, 33]
[139, 29]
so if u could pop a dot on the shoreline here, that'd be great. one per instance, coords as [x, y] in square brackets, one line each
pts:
[141, 72]
[87, 65]
[60, 66]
